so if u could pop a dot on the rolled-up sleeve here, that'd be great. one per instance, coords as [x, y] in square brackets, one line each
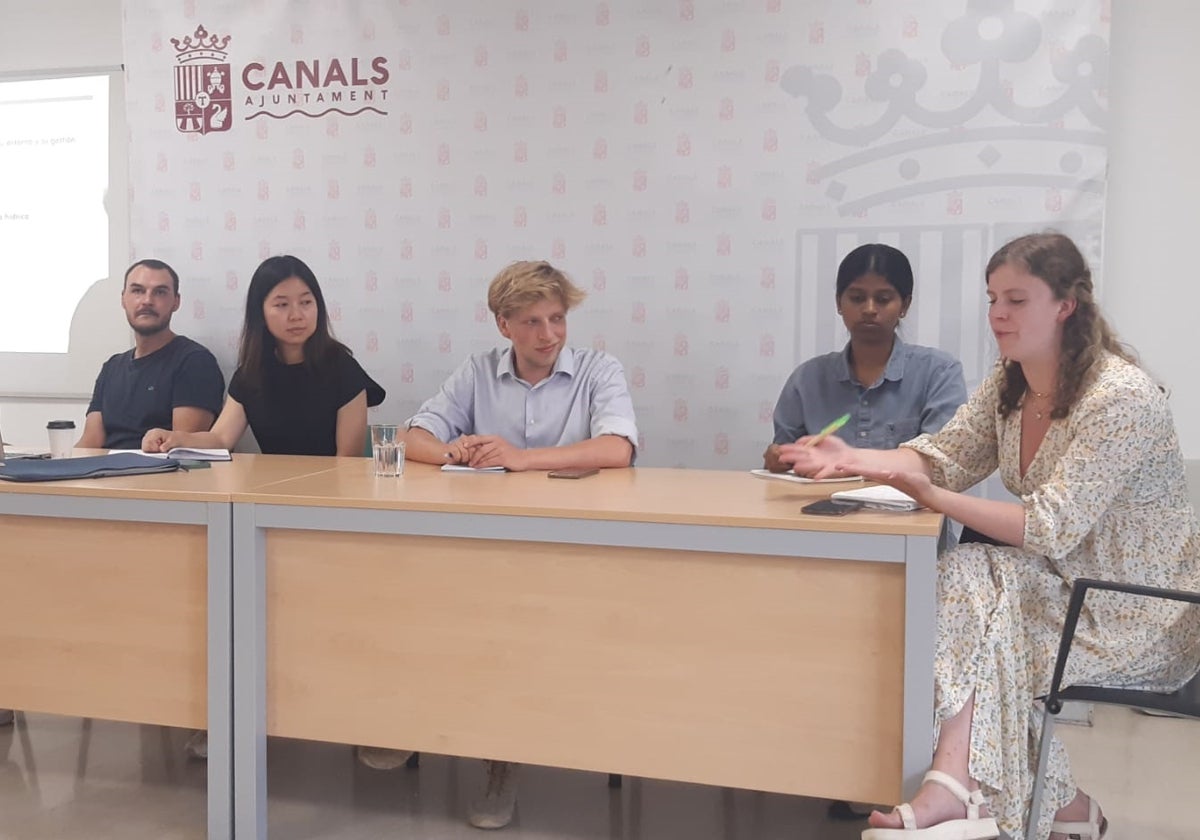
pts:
[451, 411]
[965, 451]
[1111, 436]
[612, 406]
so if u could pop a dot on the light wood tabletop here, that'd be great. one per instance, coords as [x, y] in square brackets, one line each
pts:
[641, 494]
[208, 484]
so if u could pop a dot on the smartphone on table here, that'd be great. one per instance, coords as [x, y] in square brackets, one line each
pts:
[574, 472]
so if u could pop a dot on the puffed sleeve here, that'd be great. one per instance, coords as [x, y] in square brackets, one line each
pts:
[965, 451]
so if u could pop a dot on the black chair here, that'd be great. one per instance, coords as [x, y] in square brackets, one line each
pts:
[970, 535]
[414, 761]
[1184, 703]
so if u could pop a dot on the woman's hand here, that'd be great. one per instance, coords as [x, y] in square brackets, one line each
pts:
[821, 460]
[915, 484]
[158, 440]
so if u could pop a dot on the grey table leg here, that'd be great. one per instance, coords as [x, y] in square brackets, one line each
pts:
[220, 671]
[920, 643]
[249, 675]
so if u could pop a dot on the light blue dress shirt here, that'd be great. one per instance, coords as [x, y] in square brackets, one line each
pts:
[584, 396]
[919, 392]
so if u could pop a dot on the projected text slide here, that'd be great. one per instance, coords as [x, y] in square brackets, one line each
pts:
[53, 222]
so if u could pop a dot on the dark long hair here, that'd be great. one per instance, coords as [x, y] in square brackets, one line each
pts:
[1055, 259]
[877, 258]
[320, 350]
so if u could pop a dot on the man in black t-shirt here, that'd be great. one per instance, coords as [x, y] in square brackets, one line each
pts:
[166, 381]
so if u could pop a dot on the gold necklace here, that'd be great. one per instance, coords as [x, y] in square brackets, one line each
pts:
[1036, 413]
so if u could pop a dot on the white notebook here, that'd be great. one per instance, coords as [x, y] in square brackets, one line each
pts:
[182, 453]
[879, 497]
[465, 468]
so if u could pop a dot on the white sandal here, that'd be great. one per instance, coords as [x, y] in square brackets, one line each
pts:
[1094, 829]
[974, 827]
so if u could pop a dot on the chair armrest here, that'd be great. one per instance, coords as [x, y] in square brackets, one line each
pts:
[1075, 607]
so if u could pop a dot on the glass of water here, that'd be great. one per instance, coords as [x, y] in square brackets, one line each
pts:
[387, 450]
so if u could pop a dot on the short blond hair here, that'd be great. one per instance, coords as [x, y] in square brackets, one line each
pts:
[527, 282]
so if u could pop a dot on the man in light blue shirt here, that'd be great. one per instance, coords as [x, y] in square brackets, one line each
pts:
[536, 405]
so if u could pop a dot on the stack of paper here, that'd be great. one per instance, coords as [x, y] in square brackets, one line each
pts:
[800, 479]
[879, 497]
[465, 468]
[182, 453]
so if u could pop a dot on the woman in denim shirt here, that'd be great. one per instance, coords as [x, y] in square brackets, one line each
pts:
[892, 391]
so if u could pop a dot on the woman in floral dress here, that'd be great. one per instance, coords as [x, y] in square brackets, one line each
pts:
[1086, 441]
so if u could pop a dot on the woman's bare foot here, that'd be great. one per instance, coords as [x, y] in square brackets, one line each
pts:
[1077, 810]
[933, 804]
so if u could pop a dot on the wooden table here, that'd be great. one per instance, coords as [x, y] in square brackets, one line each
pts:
[688, 625]
[118, 601]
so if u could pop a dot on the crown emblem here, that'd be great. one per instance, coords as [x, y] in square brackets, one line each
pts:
[203, 83]
[204, 47]
[993, 121]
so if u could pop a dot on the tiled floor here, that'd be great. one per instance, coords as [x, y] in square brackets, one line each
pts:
[65, 778]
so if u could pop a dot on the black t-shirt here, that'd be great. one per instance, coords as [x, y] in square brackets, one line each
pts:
[295, 410]
[135, 395]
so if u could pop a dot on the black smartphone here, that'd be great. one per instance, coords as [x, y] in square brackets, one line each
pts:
[579, 472]
[831, 507]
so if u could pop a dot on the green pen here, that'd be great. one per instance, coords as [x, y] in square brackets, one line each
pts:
[828, 430]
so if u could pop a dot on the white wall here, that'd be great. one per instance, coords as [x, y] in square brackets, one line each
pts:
[58, 34]
[1151, 286]
[1148, 289]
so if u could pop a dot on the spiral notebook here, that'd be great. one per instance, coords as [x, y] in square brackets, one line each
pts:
[879, 497]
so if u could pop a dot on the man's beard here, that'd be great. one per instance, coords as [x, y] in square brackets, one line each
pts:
[145, 331]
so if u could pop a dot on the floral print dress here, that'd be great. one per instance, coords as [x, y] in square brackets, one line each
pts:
[1104, 497]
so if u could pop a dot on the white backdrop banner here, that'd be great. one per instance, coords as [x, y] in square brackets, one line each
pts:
[698, 166]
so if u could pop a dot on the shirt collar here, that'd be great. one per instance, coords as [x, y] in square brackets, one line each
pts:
[565, 363]
[505, 366]
[894, 371]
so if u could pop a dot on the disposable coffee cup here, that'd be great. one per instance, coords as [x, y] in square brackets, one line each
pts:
[62, 438]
